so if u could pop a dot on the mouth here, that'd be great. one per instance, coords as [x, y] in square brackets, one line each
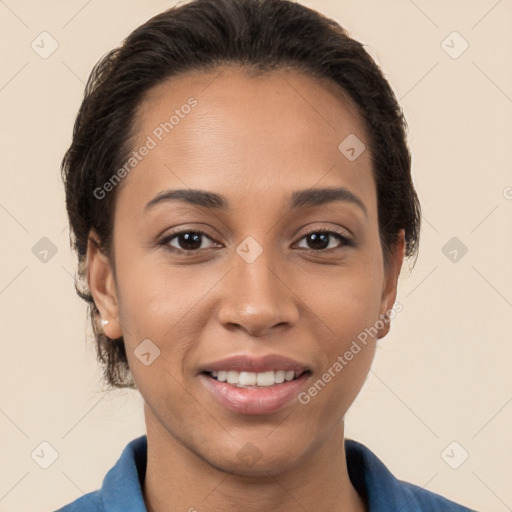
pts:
[250, 385]
[267, 395]
[256, 380]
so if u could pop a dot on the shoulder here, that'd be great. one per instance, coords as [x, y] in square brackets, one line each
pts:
[420, 499]
[384, 492]
[122, 485]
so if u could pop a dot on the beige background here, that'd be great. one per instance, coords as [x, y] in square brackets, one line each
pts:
[442, 375]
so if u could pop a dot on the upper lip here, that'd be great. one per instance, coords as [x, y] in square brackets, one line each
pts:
[247, 363]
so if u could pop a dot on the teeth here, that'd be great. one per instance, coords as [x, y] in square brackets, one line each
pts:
[233, 377]
[265, 378]
[247, 379]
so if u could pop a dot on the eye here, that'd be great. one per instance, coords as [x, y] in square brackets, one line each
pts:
[193, 241]
[323, 239]
[186, 241]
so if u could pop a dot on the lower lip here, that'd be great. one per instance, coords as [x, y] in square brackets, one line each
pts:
[262, 400]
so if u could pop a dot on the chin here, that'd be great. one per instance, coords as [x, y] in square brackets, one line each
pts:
[256, 459]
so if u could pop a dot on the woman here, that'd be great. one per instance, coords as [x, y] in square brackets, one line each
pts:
[240, 199]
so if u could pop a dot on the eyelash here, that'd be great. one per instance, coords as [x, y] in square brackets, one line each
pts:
[340, 235]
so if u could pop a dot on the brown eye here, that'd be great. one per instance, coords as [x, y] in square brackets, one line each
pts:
[321, 240]
[187, 241]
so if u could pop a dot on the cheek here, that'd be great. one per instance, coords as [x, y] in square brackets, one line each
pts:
[348, 309]
[168, 305]
[347, 300]
[156, 298]
[348, 347]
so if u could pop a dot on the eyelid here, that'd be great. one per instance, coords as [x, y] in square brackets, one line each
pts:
[345, 239]
[207, 231]
[165, 239]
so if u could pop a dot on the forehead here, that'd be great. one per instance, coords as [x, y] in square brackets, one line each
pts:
[243, 135]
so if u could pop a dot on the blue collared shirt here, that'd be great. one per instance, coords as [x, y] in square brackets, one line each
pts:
[121, 490]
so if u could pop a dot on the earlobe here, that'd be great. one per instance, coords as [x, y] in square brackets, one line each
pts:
[100, 279]
[390, 284]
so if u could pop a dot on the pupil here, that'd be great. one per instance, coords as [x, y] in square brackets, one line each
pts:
[191, 241]
[315, 238]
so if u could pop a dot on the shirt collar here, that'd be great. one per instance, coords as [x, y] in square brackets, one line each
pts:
[373, 480]
[122, 486]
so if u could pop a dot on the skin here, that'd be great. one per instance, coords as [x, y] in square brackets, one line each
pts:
[254, 140]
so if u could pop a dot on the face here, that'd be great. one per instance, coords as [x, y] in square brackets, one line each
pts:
[261, 279]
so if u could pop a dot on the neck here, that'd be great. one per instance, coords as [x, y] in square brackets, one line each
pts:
[179, 480]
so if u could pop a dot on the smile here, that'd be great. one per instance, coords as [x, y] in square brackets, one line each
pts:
[268, 395]
[253, 379]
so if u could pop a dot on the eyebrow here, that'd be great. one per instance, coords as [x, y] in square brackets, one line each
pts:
[299, 199]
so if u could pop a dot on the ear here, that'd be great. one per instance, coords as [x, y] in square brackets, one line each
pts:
[101, 282]
[389, 289]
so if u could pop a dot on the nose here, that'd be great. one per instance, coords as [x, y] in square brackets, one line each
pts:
[257, 297]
